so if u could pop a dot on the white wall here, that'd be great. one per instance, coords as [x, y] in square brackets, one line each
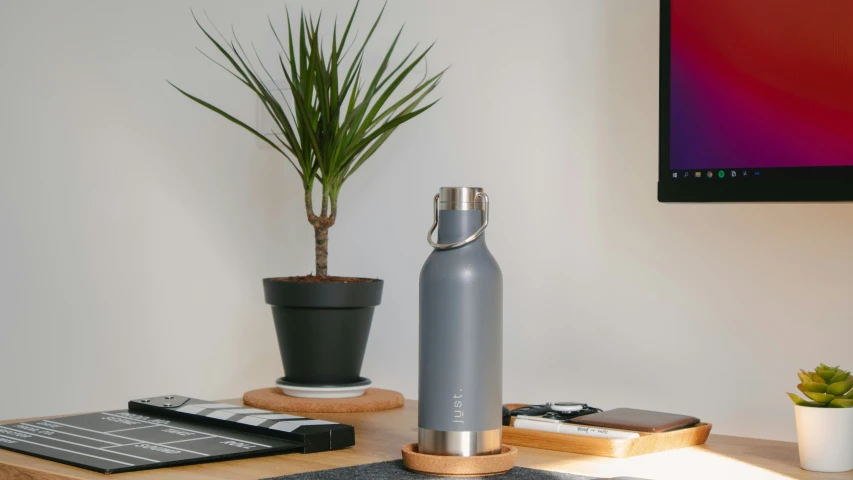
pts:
[136, 227]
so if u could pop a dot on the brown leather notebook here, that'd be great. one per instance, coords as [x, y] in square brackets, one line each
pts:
[637, 420]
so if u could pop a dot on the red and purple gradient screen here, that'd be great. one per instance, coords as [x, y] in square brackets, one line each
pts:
[761, 84]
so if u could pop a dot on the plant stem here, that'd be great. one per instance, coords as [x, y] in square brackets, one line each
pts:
[309, 207]
[321, 249]
[321, 226]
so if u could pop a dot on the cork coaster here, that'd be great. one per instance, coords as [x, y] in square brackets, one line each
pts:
[442, 466]
[373, 400]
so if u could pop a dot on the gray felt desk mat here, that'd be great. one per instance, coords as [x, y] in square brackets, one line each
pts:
[394, 469]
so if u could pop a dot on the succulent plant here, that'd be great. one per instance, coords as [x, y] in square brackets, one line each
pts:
[827, 387]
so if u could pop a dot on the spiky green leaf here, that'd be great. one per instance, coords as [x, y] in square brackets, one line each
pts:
[801, 402]
[822, 398]
[840, 388]
[815, 387]
[841, 403]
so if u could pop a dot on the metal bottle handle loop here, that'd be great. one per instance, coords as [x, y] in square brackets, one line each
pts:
[461, 243]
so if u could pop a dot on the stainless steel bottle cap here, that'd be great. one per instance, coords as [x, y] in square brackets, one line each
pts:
[460, 198]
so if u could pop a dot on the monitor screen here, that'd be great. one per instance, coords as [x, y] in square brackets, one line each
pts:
[756, 100]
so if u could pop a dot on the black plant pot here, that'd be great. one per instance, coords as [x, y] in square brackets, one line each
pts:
[322, 328]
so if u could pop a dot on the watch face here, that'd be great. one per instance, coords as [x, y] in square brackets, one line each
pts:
[567, 406]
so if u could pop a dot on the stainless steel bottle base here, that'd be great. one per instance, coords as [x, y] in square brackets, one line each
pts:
[459, 444]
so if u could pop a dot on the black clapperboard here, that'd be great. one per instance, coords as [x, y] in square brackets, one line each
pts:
[170, 431]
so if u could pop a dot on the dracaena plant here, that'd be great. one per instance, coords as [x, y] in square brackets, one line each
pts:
[339, 115]
[826, 387]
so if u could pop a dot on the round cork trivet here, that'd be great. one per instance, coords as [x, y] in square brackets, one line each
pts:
[373, 400]
[442, 466]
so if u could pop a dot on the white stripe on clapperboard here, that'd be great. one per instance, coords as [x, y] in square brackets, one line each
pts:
[293, 424]
[249, 420]
[189, 409]
[135, 440]
[279, 416]
[247, 411]
[69, 451]
[222, 412]
[214, 405]
[7, 429]
[186, 430]
[221, 415]
[285, 426]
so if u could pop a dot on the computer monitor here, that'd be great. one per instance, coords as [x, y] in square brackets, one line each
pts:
[756, 100]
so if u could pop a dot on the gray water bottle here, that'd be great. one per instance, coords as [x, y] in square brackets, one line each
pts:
[461, 331]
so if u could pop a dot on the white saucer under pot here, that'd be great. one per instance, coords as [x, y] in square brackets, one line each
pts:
[303, 390]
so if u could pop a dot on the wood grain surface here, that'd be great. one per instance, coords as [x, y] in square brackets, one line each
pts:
[380, 436]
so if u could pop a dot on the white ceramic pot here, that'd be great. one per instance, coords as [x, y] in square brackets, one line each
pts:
[825, 438]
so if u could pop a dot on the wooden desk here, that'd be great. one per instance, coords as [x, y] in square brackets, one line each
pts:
[379, 437]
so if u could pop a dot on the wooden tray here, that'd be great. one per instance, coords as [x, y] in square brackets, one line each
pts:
[605, 447]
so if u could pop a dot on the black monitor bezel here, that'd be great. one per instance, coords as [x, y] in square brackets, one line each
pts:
[822, 184]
